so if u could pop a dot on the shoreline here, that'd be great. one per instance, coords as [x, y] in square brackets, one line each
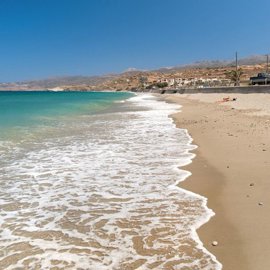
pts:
[222, 173]
[180, 184]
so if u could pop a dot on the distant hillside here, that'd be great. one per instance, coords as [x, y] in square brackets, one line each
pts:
[68, 80]
[250, 60]
[253, 60]
[132, 77]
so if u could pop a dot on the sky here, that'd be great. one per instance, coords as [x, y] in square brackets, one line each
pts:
[48, 38]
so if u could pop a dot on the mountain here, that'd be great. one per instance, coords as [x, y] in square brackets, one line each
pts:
[58, 81]
[250, 60]
[253, 60]
[68, 80]
[130, 78]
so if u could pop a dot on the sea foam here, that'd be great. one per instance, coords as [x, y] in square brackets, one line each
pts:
[101, 192]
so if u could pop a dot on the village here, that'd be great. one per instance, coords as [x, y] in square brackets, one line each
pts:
[179, 82]
[183, 78]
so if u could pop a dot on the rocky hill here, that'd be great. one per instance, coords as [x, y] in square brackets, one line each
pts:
[133, 78]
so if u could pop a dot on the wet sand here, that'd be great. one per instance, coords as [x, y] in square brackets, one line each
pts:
[232, 169]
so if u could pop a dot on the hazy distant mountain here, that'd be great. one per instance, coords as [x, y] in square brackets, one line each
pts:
[67, 80]
[197, 64]
[253, 60]
[250, 60]
[210, 63]
[131, 69]
[111, 81]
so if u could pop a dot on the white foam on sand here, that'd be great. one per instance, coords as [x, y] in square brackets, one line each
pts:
[184, 175]
[102, 193]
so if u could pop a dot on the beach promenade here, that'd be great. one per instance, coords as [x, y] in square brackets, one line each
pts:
[232, 169]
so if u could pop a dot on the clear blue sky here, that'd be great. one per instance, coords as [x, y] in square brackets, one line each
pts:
[44, 38]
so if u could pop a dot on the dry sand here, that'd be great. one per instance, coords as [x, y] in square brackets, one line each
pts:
[232, 169]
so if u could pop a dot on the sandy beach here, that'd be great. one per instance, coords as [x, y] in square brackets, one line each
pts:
[232, 169]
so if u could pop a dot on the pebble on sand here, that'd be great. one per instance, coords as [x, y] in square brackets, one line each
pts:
[260, 203]
[251, 184]
[214, 243]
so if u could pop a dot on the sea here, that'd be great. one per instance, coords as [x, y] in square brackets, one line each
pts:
[89, 180]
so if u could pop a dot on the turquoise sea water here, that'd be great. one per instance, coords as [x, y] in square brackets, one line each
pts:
[20, 111]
